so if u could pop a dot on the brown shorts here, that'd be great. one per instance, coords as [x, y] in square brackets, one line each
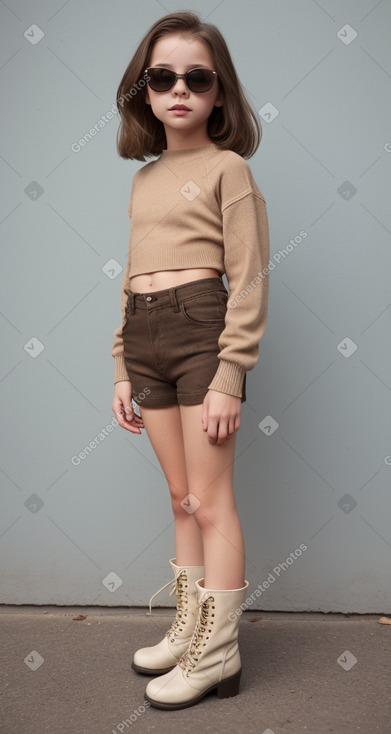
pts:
[171, 342]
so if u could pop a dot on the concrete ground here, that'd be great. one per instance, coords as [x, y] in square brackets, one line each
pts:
[312, 673]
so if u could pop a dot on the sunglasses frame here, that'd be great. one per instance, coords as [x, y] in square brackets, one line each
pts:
[180, 76]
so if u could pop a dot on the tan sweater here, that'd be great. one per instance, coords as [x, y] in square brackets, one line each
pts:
[202, 208]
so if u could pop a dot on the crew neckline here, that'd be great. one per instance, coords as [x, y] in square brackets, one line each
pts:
[187, 151]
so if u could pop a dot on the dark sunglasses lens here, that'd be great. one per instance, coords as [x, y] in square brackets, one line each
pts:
[161, 80]
[200, 80]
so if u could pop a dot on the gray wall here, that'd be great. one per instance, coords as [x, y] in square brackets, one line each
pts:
[313, 459]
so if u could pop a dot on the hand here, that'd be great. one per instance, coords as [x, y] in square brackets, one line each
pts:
[122, 407]
[220, 416]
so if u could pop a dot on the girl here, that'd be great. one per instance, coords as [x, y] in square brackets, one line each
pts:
[185, 344]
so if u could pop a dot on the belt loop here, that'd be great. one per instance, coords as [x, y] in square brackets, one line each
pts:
[173, 298]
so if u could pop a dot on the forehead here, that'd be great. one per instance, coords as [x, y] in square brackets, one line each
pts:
[179, 50]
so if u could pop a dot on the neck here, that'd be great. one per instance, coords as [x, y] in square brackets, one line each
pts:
[187, 152]
[184, 141]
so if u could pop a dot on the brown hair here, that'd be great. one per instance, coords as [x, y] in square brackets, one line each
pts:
[234, 126]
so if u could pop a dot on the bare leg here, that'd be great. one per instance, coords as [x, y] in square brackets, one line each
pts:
[164, 429]
[209, 470]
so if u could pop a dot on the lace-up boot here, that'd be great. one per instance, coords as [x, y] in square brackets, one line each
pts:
[165, 655]
[212, 660]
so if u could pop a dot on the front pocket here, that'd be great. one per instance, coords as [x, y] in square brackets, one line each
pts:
[127, 309]
[206, 308]
[127, 316]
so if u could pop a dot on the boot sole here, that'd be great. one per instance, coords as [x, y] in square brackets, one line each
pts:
[151, 671]
[225, 689]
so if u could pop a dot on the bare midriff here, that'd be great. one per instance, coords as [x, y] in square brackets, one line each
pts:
[162, 279]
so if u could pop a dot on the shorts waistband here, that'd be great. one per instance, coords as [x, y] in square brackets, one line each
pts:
[172, 296]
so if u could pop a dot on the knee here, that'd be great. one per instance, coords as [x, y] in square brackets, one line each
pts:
[208, 511]
[207, 517]
[215, 511]
[185, 507]
[177, 500]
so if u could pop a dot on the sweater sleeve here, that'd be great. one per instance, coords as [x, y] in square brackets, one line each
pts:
[117, 351]
[246, 259]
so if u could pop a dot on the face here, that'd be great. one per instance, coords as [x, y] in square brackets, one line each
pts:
[180, 54]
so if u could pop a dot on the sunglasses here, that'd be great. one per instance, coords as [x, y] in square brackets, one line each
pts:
[196, 80]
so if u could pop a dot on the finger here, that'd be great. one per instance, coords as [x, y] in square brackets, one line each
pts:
[137, 418]
[130, 427]
[120, 417]
[222, 434]
[138, 422]
[129, 413]
[124, 423]
[204, 414]
[232, 426]
[212, 430]
[133, 429]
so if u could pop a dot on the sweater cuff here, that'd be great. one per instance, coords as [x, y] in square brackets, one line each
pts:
[120, 372]
[228, 378]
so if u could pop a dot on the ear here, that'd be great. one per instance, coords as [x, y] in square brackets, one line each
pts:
[219, 101]
[147, 100]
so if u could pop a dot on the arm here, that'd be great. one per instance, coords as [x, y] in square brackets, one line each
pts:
[246, 257]
[117, 350]
[122, 400]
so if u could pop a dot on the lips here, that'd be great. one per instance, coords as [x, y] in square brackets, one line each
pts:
[179, 107]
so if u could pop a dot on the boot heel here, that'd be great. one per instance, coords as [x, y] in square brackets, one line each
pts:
[229, 687]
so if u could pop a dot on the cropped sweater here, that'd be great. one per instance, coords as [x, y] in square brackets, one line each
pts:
[197, 208]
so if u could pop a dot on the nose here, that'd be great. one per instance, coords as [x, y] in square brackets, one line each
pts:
[180, 87]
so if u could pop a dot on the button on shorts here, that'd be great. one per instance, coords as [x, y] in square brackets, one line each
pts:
[171, 342]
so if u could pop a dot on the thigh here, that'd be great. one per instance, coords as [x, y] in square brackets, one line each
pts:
[164, 430]
[209, 467]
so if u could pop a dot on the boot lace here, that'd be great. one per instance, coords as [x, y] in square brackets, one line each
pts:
[179, 587]
[203, 626]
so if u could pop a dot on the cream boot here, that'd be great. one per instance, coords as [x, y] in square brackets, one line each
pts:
[162, 657]
[212, 659]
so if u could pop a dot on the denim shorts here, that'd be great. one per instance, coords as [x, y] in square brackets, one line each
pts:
[171, 342]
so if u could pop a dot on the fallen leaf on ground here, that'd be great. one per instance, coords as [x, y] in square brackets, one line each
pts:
[384, 620]
[79, 617]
